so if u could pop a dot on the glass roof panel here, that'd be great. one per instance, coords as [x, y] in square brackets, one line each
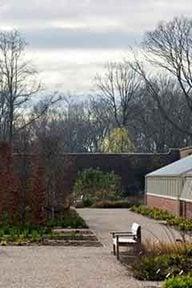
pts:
[179, 167]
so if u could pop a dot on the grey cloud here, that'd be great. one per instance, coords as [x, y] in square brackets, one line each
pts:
[67, 38]
[50, 9]
[133, 17]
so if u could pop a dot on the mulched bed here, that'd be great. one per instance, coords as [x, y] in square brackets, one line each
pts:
[61, 237]
[72, 237]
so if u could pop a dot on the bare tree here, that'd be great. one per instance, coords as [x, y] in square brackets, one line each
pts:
[118, 89]
[18, 81]
[151, 130]
[101, 120]
[169, 47]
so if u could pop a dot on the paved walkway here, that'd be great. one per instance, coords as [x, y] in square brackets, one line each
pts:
[75, 267]
[102, 221]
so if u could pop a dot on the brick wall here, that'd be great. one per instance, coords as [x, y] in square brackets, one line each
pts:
[132, 168]
[170, 205]
[189, 210]
[186, 209]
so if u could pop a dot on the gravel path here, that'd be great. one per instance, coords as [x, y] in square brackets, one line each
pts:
[73, 267]
[61, 267]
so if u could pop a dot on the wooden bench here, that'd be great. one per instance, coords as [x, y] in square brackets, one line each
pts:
[130, 238]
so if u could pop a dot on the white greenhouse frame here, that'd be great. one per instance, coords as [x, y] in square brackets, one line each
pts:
[173, 181]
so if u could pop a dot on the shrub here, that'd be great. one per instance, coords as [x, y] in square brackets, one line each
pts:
[37, 195]
[156, 268]
[156, 260]
[111, 204]
[87, 202]
[147, 268]
[70, 219]
[179, 282]
[97, 185]
[9, 184]
[158, 214]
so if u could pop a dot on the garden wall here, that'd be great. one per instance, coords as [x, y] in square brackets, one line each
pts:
[132, 168]
[35, 185]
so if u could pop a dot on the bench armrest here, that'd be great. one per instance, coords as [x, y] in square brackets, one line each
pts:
[126, 235]
[121, 232]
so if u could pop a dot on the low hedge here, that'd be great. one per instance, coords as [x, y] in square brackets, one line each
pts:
[179, 282]
[112, 204]
[158, 214]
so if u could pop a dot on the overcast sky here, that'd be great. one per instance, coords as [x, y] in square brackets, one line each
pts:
[70, 40]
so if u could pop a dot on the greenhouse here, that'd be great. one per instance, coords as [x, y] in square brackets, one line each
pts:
[170, 187]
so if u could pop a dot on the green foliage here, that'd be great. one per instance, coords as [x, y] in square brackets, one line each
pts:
[70, 219]
[111, 204]
[87, 201]
[25, 234]
[179, 282]
[94, 185]
[117, 141]
[180, 223]
[21, 234]
[166, 259]
[147, 267]
[156, 268]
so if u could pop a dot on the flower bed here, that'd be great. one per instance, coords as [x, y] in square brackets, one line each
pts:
[72, 237]
[180, 223]
[179, 282]
[158, 261]
[157, 268]
[30, 234]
